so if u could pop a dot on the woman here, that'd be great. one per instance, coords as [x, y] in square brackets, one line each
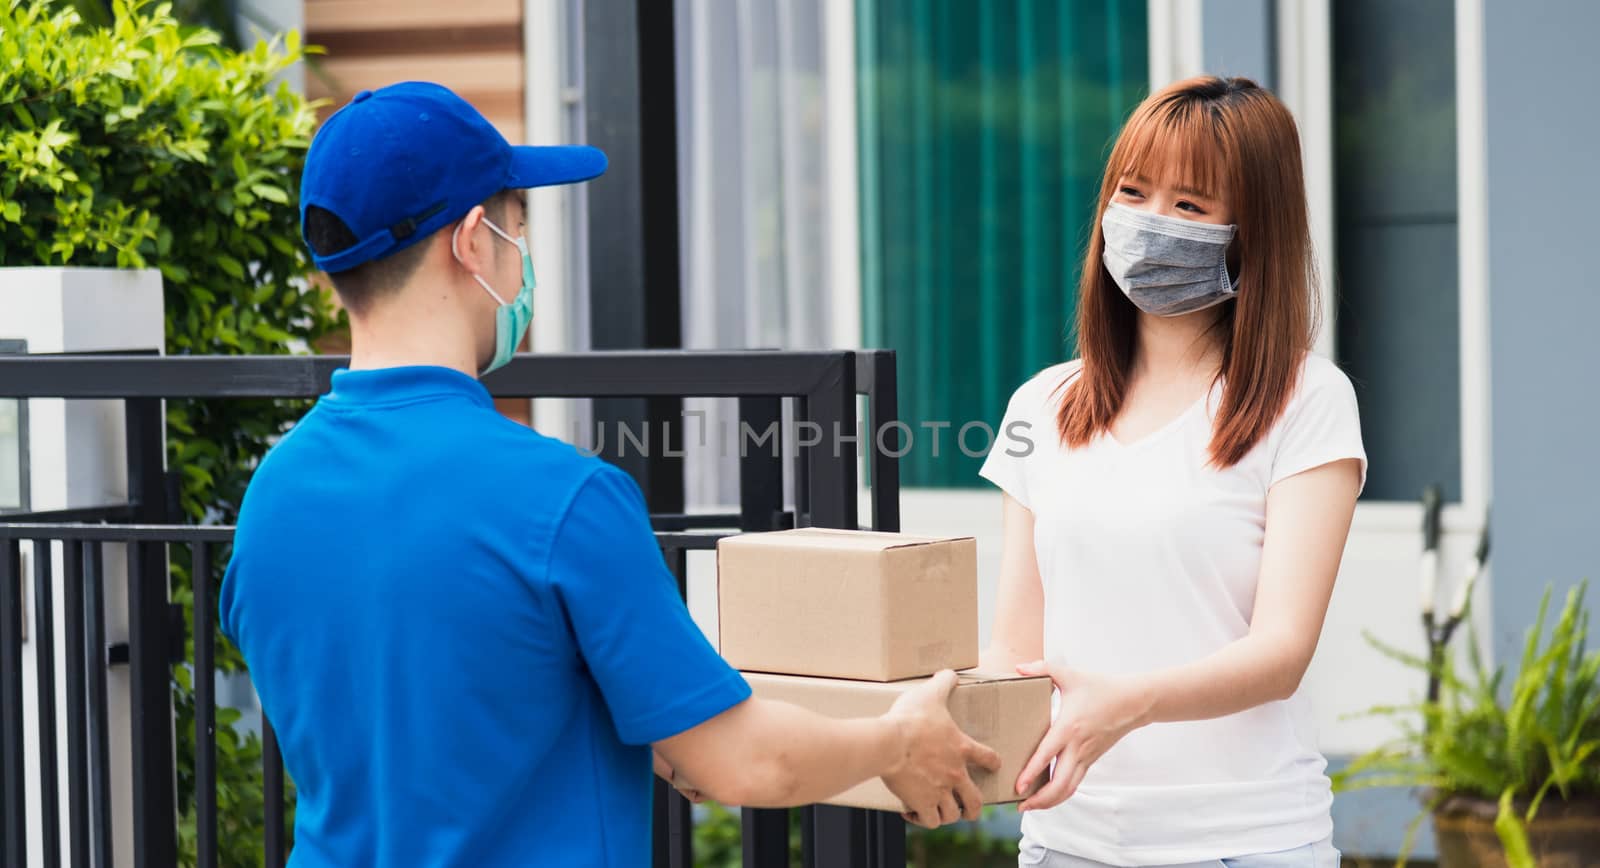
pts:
[1176, 503]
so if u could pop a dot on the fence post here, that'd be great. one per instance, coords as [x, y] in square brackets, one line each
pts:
[831, 469]
[672, 817]
[630, 113]
[876, 375]
[840, 834]
[760, 463]
[155, 812]
[764, 833]
[13, 792]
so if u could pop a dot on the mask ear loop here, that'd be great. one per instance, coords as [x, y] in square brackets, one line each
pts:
[1231, 259]
[522, 248]
[454, 237]
[501, 232]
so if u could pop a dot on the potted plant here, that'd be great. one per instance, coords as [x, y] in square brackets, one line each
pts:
[1511, 772]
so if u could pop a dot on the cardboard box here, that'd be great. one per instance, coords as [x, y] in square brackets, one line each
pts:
[847, 604]
[1009, 713]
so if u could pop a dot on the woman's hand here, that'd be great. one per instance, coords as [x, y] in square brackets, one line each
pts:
[664, 771]
[1095, 713]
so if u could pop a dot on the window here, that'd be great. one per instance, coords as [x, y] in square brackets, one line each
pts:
[755, 205]
[1398, 331]
[983, 134]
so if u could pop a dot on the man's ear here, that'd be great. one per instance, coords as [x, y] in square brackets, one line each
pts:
[470, 245]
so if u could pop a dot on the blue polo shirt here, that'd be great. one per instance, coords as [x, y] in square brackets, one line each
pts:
[463, 632]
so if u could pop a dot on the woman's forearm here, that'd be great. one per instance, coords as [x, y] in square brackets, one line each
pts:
[1242, 675]
[1003, 657]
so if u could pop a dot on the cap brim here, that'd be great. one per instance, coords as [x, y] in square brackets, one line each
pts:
[545, 165]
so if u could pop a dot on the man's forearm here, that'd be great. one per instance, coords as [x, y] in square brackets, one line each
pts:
[775, 754]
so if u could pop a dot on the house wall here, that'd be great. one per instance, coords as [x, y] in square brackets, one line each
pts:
[1544, 303]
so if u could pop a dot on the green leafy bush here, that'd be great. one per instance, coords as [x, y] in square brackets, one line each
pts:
[960, 845]
[145, 143]
[1544, 738]
[718, 843]
[222, 16]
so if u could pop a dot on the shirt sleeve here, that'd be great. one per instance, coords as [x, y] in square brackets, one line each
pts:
[1322, 425]
[658, 674]
[1015, 441]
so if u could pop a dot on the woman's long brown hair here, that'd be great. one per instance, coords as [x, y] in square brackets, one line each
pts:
[1233, 141]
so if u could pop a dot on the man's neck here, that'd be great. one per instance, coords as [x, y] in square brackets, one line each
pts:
[416, 327]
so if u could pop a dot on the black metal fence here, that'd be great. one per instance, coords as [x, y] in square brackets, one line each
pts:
[824, 387]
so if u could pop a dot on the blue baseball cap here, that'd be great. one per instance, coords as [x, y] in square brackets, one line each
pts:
[398, 164]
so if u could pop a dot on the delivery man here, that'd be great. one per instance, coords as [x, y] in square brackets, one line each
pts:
[463, 631]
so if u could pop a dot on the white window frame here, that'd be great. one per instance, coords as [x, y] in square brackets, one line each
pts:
[552, 54]
[844, 172]
[1472, 206]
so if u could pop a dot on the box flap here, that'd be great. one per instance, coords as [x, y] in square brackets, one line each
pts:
[964, 676]
[834, 538]
[979, 676]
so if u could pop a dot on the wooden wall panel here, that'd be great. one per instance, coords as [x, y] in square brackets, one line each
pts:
[473, 47]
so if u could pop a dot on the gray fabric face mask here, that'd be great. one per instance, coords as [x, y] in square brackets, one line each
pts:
[1167, 266]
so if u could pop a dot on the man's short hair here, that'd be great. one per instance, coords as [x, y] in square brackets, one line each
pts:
[359, 287]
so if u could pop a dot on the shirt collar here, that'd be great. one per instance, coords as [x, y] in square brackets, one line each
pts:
[404, 384]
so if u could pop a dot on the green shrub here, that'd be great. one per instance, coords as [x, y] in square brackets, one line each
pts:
[222, 16]
[1514, 745]
[960, 845]
[717, 843]
[145, 143]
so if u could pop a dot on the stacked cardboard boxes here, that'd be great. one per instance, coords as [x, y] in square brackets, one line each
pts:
[844, 622]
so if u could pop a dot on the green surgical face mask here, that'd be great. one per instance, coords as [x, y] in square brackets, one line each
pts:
[511, 320]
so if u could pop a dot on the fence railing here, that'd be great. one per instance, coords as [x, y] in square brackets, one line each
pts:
[823, 385]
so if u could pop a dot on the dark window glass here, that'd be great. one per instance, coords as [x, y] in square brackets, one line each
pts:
[1398, 330]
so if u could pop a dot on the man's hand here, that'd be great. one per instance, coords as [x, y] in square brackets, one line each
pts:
[665, 772]
[931, 775]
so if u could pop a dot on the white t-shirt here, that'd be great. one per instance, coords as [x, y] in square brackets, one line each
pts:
[1150, 559]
